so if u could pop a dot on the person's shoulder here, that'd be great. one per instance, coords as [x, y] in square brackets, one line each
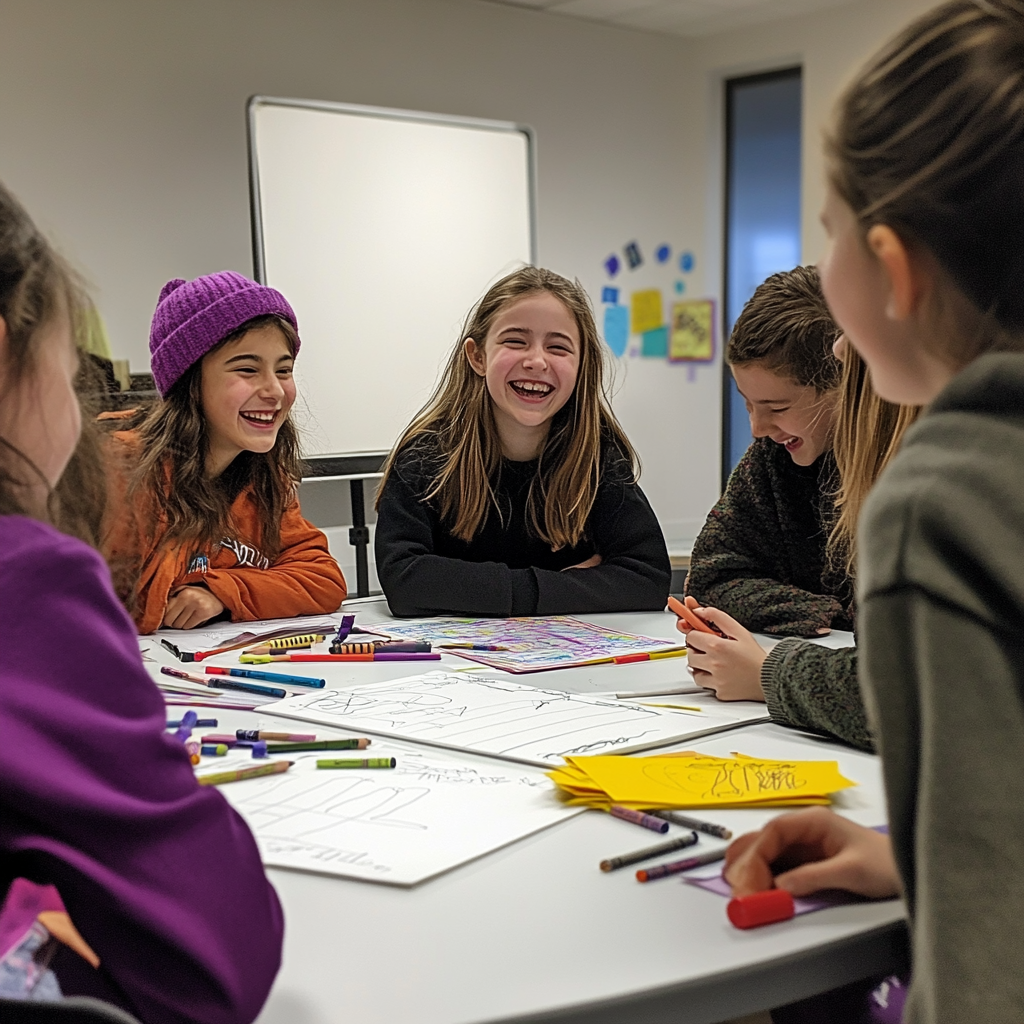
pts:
[418, 461]
[947, 506]
[34, 551]
[616, 462]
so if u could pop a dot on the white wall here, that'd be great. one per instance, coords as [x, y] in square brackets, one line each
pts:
[122, 127]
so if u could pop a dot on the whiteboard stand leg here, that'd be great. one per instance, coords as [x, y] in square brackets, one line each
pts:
[359, 538]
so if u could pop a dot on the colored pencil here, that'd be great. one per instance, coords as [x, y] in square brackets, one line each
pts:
[265, 659]
[220, 778]
[613, 863]
[270, 677]
[718, 831]
[677, 866]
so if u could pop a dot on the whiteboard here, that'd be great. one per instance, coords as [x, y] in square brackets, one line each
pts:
[382, 228]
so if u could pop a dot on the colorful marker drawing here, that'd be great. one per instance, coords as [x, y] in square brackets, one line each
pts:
[505, 719]
[535, 644]
[432, 812]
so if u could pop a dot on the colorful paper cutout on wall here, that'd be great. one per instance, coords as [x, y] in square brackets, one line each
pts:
[609, 294]
[693, 331]
[633, 255]
[646, 307]
[662, 253]
[616, 329]
[680, 287]
[686, 262]
[655, 343]
[611, 265]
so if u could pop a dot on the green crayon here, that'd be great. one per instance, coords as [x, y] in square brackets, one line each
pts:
[345, 744]
[357, 762]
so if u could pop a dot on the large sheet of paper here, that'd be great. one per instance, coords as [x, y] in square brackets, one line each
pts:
[506, 719]
[433, 811]
[533, 644]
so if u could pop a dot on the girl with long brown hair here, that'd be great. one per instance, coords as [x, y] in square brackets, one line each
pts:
[513, 491]
[206, 523]
[925, 216]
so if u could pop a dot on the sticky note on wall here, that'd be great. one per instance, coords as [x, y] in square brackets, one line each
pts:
[692, 337]
[616, 329]
[646, 309]
[654, 343]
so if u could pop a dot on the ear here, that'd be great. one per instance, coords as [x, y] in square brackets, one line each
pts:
[475, 355]
[901, 267]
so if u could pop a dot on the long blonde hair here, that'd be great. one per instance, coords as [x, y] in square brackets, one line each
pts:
[459, 423]
[866, 433]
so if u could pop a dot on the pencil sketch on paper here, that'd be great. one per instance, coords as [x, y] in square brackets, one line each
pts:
[427, 815]
[504, 719]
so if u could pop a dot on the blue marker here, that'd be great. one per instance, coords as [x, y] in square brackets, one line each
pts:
[271, 677]
[200, 723]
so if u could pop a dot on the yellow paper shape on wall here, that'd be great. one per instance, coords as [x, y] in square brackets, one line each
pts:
[667, 781]
[646, 310]
[692, 338]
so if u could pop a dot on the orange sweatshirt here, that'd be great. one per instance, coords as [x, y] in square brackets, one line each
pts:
[304, 579]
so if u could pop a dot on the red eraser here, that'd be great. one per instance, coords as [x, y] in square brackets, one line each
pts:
[761, 908]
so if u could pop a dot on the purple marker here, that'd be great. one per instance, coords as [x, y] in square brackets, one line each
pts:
[201, 723]
[259, 748]
[639, 818]
[188, 720]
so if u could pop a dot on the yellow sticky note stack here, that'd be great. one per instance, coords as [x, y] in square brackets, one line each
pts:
[686, 780]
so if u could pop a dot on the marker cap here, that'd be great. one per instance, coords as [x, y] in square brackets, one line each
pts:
[761, 908]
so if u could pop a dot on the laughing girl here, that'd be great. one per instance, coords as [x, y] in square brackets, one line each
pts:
[206, 523]
[514, 492]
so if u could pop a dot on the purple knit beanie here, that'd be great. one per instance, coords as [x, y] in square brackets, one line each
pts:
[193, 317]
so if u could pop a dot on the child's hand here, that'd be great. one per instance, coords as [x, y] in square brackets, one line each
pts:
[813, 850]
[191, 606]
[588, 564]
[732, 668]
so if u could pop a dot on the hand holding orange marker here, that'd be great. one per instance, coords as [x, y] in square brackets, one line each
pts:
[689, 615]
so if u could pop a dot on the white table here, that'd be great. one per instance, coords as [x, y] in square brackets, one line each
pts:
[535, 931]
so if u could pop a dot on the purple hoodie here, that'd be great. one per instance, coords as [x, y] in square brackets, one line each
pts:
[161, 877]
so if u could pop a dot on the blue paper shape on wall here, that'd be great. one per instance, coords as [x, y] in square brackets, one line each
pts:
[686, 262]
[680, 287]
[616, 329]
[609, 294]
[662, 253]
[611, 265]
[633, 255]
[655, 343]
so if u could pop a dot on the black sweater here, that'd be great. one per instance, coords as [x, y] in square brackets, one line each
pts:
[506, 570]
[761, 554]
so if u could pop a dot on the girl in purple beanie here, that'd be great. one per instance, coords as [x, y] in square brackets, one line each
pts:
[102, 822]
[206, 524]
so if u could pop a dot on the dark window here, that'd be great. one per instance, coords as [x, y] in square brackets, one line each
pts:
[762, 211]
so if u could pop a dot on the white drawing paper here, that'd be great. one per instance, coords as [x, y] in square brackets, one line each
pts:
[505, 719]
[400, 826]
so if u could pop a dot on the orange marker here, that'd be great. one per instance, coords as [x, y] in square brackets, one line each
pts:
[689, 616]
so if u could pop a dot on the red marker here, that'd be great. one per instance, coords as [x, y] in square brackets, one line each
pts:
[761, 908]
[689, 616]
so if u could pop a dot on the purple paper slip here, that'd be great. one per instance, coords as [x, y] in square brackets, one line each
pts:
[804, 904]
